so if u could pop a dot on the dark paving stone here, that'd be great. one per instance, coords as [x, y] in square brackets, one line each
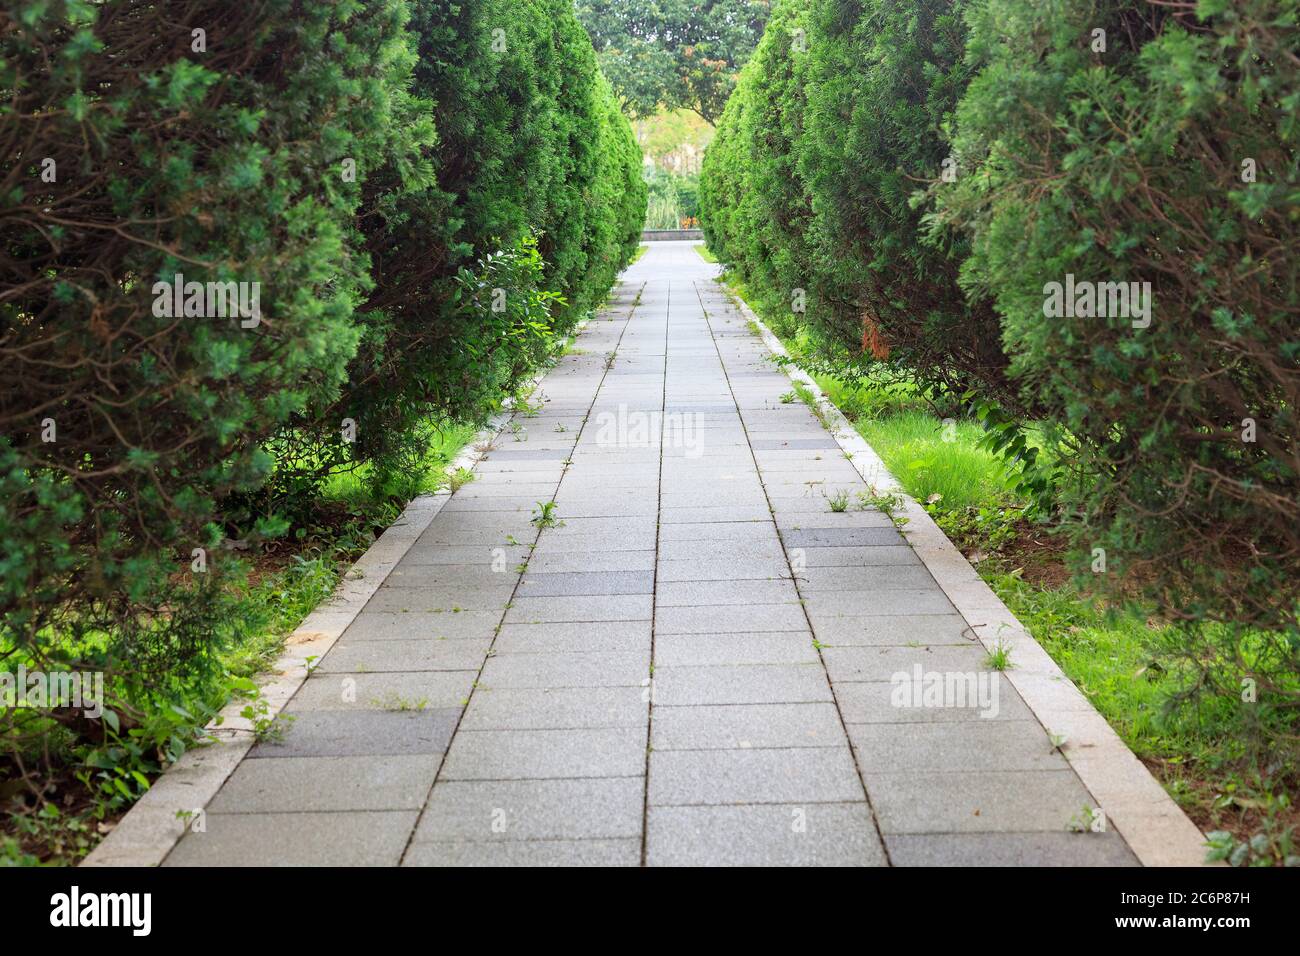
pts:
[841, 537]
[386, 690]
[512, 810]
[530, 853]
[389, 657]
[328, 733]
[345, 838]
[384, 782]
[815, 834]
[1009, 849]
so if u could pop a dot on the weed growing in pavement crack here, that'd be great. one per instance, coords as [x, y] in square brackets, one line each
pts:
[999, 658]
[544, 515]
[459, 478]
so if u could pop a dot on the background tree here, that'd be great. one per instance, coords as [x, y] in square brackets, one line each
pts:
[673, 53]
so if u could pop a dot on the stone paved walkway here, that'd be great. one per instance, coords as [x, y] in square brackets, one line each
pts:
[694, 667]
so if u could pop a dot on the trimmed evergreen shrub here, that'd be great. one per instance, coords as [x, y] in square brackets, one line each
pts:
[883, 78]
[772, 232]
[532, 207]
[835, 123]
[755, 209]
[1094, 145]
[425, 194]
[1162, 152]
[139, 149]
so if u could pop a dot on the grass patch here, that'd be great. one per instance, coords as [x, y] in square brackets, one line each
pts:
[640, 251]
[362, 488]
[706, 253]
[927, 464]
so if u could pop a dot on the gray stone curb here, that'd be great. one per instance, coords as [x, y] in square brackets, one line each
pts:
[151, 828]
[1133, 801]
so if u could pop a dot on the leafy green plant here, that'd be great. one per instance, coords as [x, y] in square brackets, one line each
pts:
[838, 501]
[999, 657]
[1179, 397]
[267, 727]
[182, 176]
[544, 515]
[1275, 844]
[1086, 820]
[396, 702]
[68, 838]
[888, 502]
[459, 478]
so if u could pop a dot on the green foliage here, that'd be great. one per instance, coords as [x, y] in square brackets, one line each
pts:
[673, 53]
[882, 78]
[428, 197]
[1167, 156]
[807, 191]
[755, 209]
[1129, 164]
[220, 165]
[496, 195]
[672, 198]
[487, 242]
[934, 458]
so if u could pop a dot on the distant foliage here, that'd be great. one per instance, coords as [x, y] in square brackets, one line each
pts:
[673, 53]
[673, 199]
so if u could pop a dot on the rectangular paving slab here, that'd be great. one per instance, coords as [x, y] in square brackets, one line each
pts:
[531, 853]
[511, 810]
[794, 775]
[333, 733]
[532, 754]
[360, 782]
[743, 726]
[815, 834]
[556, 708]
[350, 838]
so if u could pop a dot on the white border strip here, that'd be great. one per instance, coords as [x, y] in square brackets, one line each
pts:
[1134, 802]
[151, 828]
